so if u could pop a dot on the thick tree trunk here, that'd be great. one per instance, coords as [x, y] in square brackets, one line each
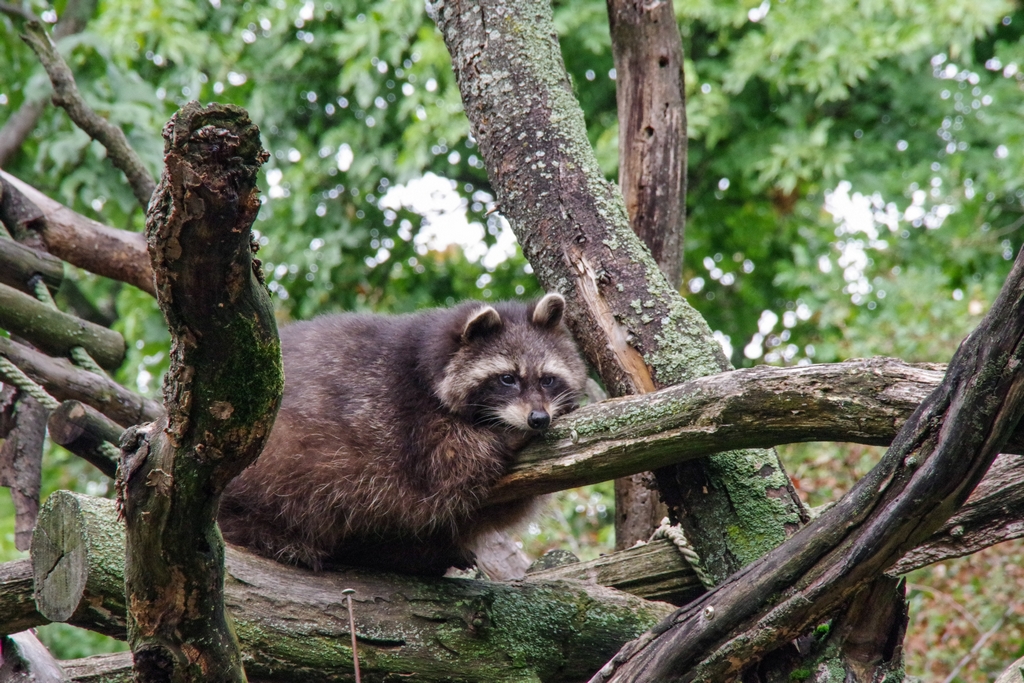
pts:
[650, 92]
[572, 224]
[221, 394]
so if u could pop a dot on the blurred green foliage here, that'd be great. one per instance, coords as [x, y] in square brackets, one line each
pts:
[856, 175]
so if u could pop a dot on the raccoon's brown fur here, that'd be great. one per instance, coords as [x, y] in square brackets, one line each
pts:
[392, 429]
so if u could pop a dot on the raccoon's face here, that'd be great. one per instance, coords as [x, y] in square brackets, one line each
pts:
[514, 368]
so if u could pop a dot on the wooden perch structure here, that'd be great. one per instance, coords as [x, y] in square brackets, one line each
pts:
[221, 394]
[293, 622]
[81, 241]
[57, 332]
[64, 381]
[83, 533]
[937, 459]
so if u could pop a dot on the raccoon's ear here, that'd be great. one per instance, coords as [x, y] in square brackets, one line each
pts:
[548, 311]
[482, 322]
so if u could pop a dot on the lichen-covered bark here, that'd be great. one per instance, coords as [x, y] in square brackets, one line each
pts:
[855, 401]
[572, 225]
[221, 394]
[293, 623]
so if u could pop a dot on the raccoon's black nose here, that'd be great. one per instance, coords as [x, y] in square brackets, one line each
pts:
[538, 419]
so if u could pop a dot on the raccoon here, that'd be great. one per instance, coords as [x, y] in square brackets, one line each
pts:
[392, 429]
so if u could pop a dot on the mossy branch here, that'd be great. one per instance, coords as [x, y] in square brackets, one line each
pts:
[221, 394]
[433, 628]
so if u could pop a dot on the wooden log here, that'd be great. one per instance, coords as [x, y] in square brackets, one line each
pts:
[82, 430]
[57, 332]
[109, 668]
[64, 381]
[81, 241]
[292, 623]
[17, 607]
[69, 585]
[654, 571]
[19, 264]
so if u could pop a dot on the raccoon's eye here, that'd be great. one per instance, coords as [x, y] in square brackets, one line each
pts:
[508, 380]
[546, 381]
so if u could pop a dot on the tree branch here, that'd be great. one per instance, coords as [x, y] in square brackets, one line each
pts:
[57, 332]
[293, 624]
[65, 382]
[633, 327]
[18, 11]
[221, 394]
[81, 241]
[856, 401]
[649, 91]
[936, 460]
[648, 54]
[20, 125]
[66, 95]
[20, 263]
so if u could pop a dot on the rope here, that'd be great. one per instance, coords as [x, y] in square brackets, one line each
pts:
[111, 451]
[79, 355]
[12, 374]
[676, 535]
[83, 360]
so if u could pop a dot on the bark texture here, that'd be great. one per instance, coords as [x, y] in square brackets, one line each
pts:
[293, 624]
[648, 55]
[19, 264]
[81, 241]
[938, 457]
[572, 224]
[56, 332]
[83, 431]
[856, 401]
[221, 394]
[21, 462]
[64, 381]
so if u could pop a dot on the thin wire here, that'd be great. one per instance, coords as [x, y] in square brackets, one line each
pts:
[352, 627]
